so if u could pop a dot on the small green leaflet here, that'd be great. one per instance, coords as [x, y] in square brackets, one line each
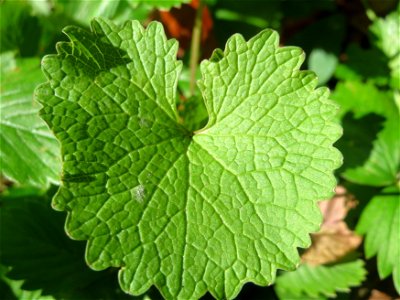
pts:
[320, 282]
[29, 152]
[188, 212]
[383, 240]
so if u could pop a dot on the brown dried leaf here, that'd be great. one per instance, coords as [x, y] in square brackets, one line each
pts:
[378, 295]
[334, 240]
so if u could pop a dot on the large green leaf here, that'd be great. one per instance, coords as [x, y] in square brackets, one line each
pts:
[383, 162]
[380, 222]
[320, 282]
[29, 152]
[188, 212]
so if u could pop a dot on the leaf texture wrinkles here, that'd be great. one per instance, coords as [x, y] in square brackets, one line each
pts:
[188, 212]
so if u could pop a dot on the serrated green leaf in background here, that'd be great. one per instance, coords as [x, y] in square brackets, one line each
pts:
[382, 166]
[386, 34]
[29, 153]
[36, 248]
[15, 291]
[380, 222]
[320, 282]
[381, 63]
[188, 212]
[364, 64]
[358, 138]
[41, 260]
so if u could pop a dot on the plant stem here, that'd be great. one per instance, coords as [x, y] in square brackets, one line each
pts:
[195, 47]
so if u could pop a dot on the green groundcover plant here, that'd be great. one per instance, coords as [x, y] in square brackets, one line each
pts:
[165, 202]
[187, 180]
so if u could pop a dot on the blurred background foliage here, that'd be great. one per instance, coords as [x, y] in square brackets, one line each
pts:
[353, 47]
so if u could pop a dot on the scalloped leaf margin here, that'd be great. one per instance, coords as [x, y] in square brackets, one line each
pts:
[188, 213]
